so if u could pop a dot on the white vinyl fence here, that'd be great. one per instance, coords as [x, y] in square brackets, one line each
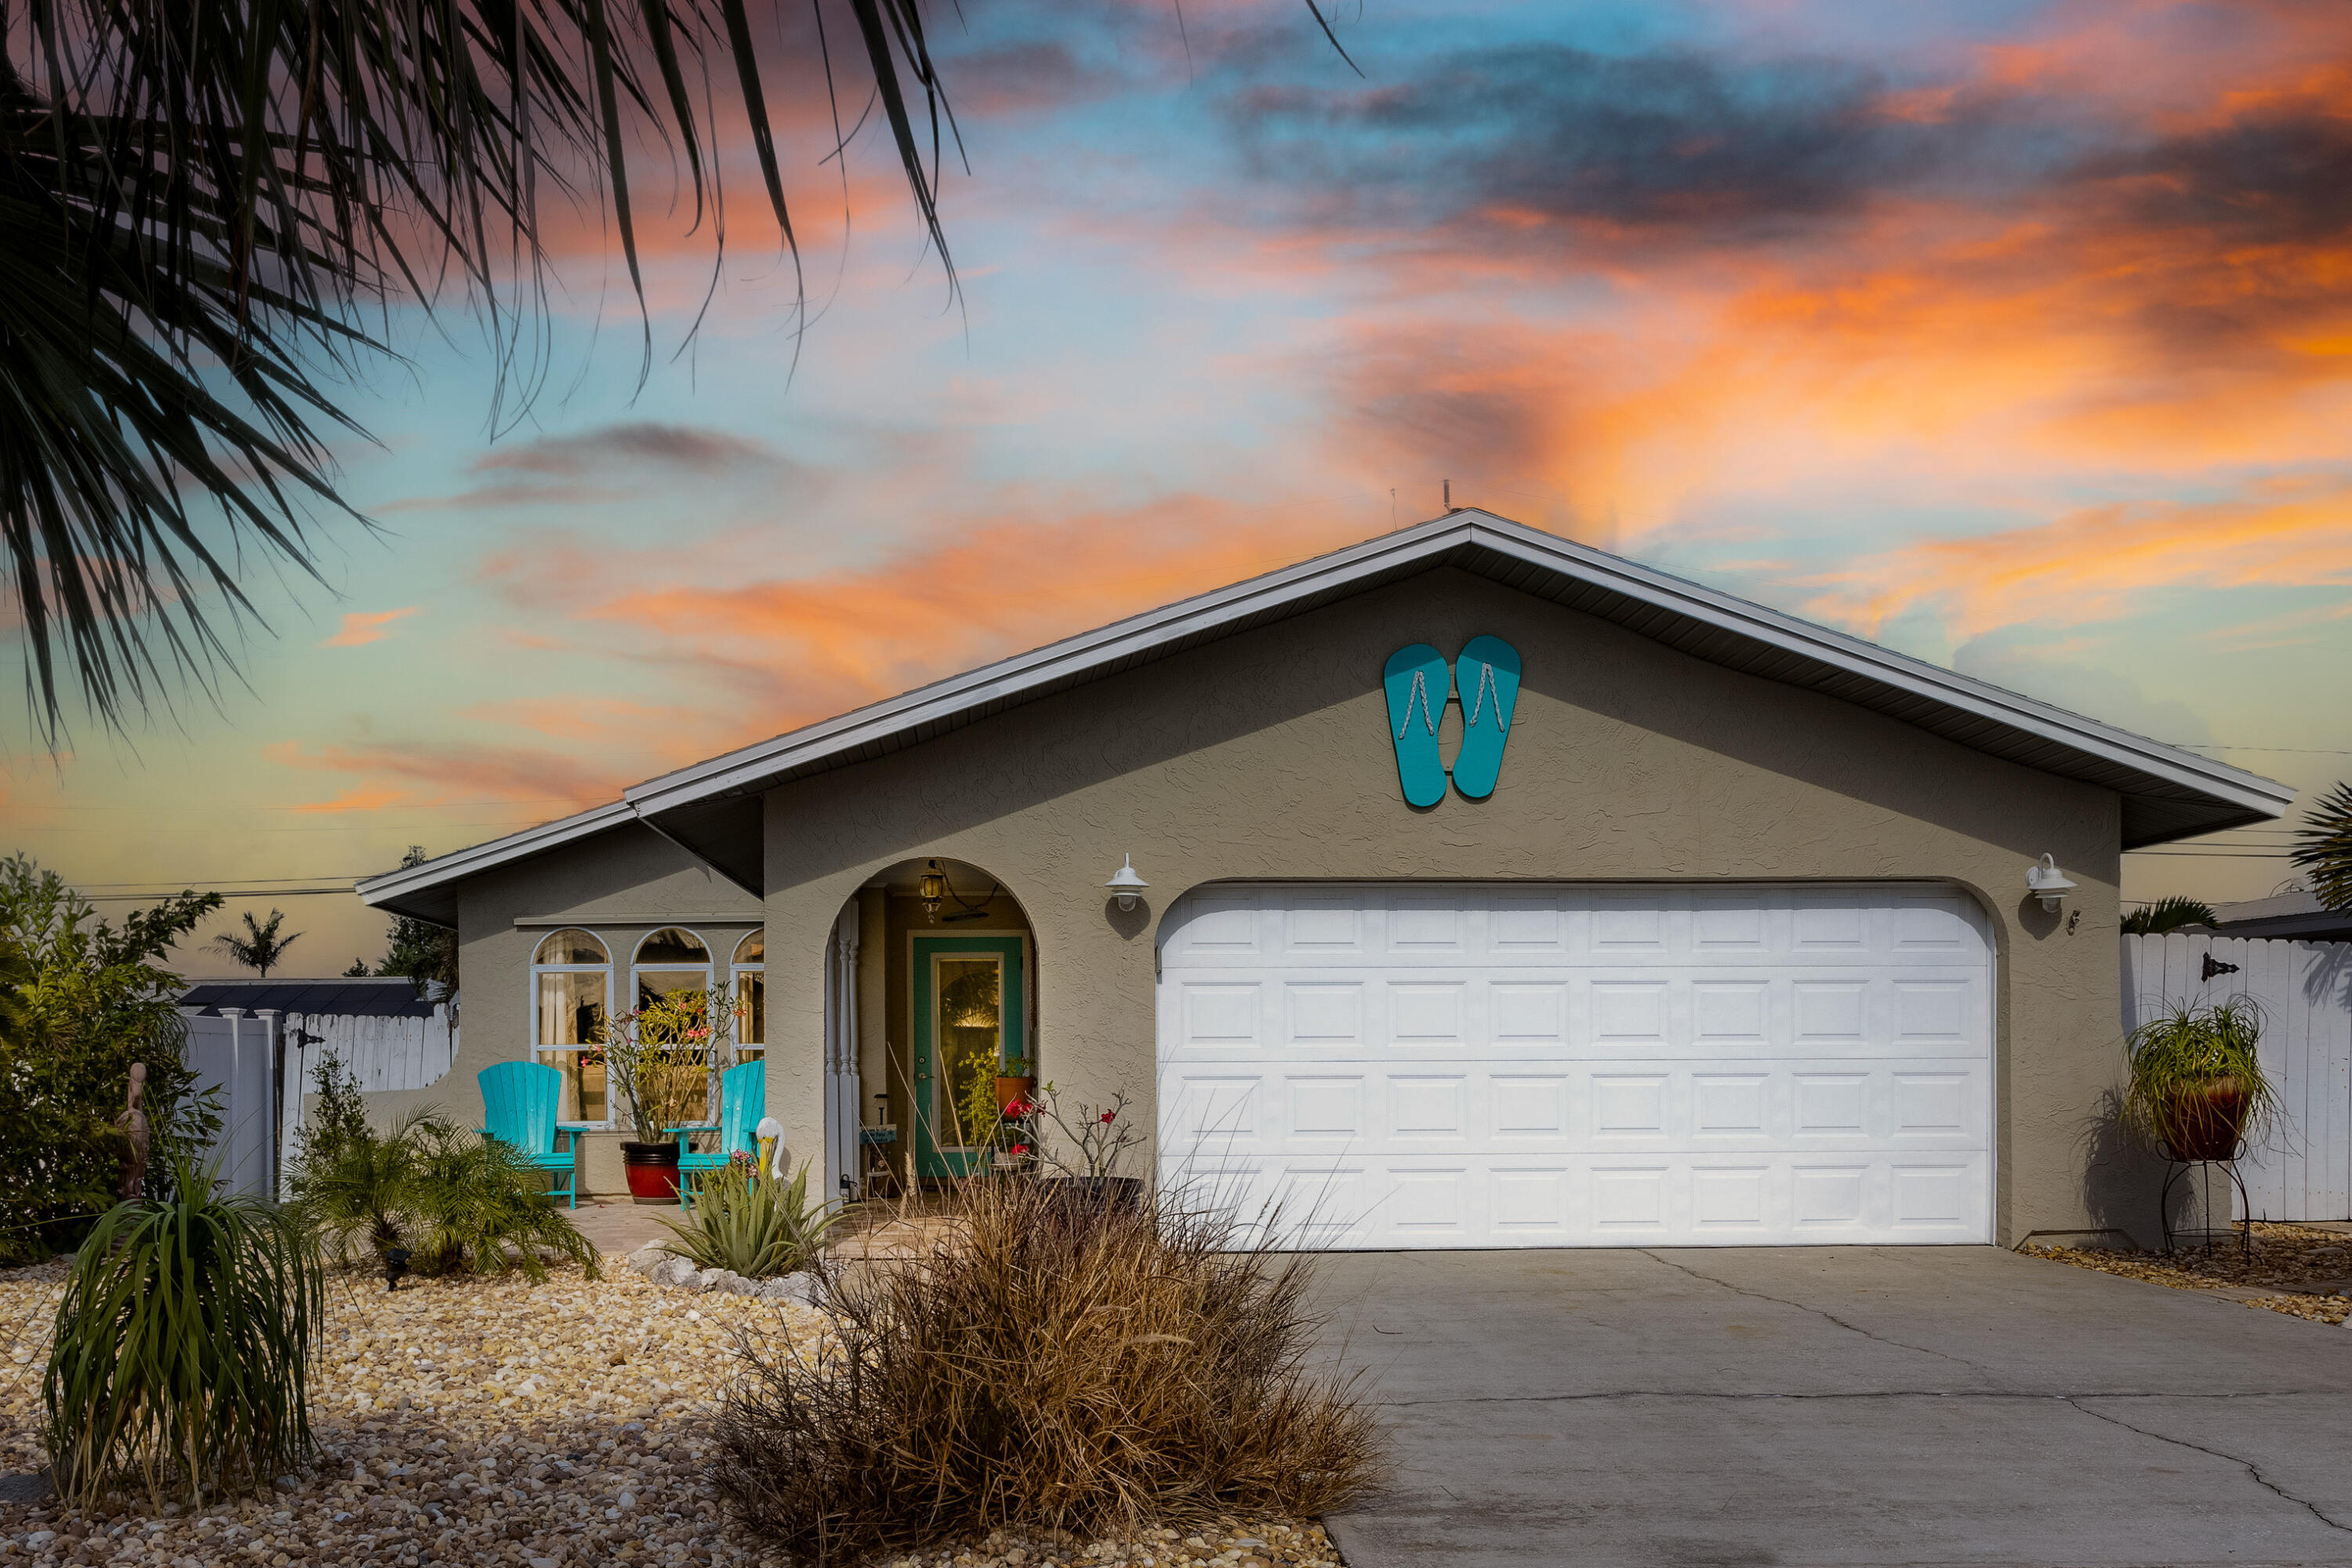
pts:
[262, 1061]
[2303, 1170]
[237, 1058]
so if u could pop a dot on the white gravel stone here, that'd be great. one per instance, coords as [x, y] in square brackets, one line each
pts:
[494, 1424]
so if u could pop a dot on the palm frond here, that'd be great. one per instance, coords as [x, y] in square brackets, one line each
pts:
[2323, 847]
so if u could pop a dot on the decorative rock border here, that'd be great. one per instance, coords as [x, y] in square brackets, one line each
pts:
[667, 1270]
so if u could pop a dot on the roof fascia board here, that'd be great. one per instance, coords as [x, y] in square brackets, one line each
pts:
[381, 890]
[1026, 672]
[1733, 614]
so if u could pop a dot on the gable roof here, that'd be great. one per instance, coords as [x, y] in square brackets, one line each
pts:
[712, 808]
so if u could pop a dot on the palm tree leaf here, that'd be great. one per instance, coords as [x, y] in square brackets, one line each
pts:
[201, 203]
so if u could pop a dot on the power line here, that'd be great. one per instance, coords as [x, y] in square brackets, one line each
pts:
[225, 892]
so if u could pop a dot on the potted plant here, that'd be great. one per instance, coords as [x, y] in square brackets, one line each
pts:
[2197, 1089]
[1015, 1084]
[659, 1059]
[1084, 1148]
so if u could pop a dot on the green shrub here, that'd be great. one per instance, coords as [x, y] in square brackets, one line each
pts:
[758, 1228]
[471, 1198]
[183, 1350]
[1043, 1369]
[451, 1197]
[84, 999]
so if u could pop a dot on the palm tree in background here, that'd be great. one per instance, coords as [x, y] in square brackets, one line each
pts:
[207, 207]
[2323, 847]
[2168, 914]
[261, 948]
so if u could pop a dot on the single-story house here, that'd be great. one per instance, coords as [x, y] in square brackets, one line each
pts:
[1720, 930]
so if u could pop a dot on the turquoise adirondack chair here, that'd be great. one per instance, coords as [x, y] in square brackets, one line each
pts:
[518, 1107]
[742, 1101]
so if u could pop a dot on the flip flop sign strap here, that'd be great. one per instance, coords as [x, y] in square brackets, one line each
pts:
[1487, 717]
[1416, 681]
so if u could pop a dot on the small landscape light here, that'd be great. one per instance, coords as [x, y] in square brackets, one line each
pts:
[1127, 882]
[2046, 882]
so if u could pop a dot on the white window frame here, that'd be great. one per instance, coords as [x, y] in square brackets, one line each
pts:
[539, 1052]
[760, 969]
[707, 968]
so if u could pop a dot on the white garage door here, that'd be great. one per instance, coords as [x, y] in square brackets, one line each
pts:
[1420, 1065]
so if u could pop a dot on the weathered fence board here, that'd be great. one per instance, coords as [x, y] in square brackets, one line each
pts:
[2303, 1170]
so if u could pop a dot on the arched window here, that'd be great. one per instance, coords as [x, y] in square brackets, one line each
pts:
[752, 993]
[571, 988]
[671, 958]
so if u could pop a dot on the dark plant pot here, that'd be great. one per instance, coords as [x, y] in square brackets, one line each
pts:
[2207, 1123]
[1010, 1092]
[1095, 1194]
[652, 1170]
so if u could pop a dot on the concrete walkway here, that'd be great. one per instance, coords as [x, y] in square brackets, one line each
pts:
[1836, 1406]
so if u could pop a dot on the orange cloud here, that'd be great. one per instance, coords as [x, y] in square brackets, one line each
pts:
[365, 798]
[364, 626]
[2094, 564]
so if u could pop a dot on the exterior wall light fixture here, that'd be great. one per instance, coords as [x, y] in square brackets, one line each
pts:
[1127, 882]
[2046, 882]
[931, 887]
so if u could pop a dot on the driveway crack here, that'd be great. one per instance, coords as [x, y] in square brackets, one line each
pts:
[1817, 1311]
[2251, 1468]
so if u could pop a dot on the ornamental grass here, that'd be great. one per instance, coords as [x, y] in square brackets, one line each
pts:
[1049, 1367]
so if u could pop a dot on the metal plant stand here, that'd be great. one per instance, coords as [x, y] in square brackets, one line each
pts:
[2199, 1174]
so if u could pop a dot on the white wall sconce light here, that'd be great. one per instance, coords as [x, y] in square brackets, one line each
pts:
[2046, 882]
[1127, 882]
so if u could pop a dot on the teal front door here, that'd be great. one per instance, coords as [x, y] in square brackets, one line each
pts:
[969, 1012]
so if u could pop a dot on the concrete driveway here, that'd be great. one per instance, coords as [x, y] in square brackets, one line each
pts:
[1836, 1406]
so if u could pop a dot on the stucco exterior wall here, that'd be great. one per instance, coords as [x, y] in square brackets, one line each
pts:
[1265, 756]
[620, 885]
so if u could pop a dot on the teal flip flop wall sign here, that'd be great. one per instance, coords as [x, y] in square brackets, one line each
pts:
[1415, 679]
[1488, 675]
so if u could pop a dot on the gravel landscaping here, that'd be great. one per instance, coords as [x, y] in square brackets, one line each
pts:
[2301, 1270]
[496, 1422]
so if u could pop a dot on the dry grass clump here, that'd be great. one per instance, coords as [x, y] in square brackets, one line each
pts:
[1046, 1370]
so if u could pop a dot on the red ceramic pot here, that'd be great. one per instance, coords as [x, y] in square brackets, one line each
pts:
[652, 1171]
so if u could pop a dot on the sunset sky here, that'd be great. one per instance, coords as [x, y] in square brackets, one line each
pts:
[2015, 336]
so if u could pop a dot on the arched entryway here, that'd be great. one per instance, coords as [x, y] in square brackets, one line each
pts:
[930, 997]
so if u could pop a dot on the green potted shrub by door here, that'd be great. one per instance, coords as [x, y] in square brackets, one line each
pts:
[660, 1058]
[2197, 1089]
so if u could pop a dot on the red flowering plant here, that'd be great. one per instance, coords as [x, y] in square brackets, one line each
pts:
[1088, 1142]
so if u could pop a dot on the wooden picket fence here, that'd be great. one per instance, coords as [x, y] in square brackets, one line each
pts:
[2303, 1170]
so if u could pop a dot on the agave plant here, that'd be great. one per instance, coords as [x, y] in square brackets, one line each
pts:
[750, 1225]
[184, 1345]
[2196, 1079]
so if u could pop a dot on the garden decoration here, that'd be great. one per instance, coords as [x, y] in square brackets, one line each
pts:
[133, 1123]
